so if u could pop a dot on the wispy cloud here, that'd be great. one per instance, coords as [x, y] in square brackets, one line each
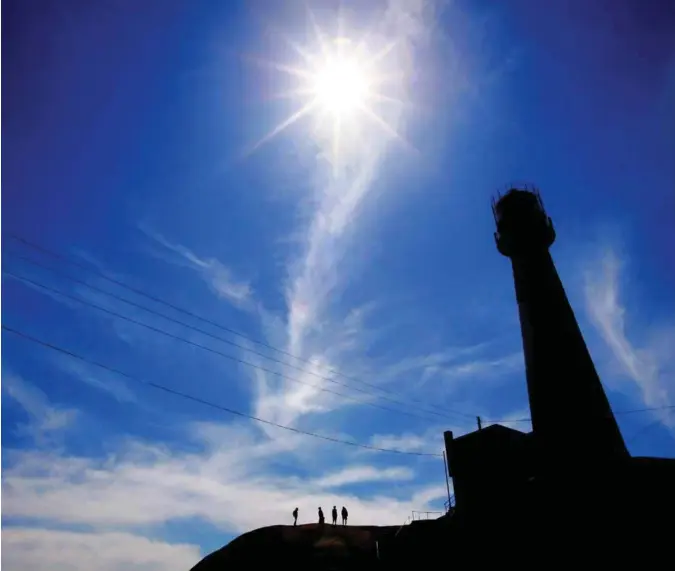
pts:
[362, 474]
[455, 365]
[404, 442]
[432, 363]
[430, 439]
[44, 418]
[97, 378]
[147, 485]
[60, 550]
[485, 367]
[216, 274]
[319, 271]
[142, 485]
[648, 361]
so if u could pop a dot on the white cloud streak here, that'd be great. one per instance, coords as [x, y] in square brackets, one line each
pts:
[98, 379]
[229, 478]
[431, 439]
[403, 442]
[58, 550]
[362, 474]
[648, 363]
[44, 419]
[228, 484]
[217, 275]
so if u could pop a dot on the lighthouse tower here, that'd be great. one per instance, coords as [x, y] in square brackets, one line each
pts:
[571, 417]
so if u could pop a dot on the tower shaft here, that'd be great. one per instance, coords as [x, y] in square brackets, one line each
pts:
[571, 416]
[570, 410]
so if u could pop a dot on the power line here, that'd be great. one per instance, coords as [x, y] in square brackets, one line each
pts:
[217, 337]
[645, 409]
[205, 348]
[194, 315]
[203, 401]
[238, 334]
[615, 413]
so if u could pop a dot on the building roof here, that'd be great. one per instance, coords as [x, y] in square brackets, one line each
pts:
[493, 431]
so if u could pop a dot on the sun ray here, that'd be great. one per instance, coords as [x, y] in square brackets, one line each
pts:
[386, 126]
[320, 38]
[362, 44]
[335, 156]
[394, 77]
[309, 58]
[379, 56]
[340, 24]
[296, 71]
[376, 96]
[291, 93]
[283, 125]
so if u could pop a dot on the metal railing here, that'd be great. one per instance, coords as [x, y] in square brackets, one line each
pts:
[419, 515]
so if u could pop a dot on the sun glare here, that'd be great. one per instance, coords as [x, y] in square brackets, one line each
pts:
[340, 86]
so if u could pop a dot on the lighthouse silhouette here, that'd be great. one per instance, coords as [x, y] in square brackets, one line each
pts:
[571, 416]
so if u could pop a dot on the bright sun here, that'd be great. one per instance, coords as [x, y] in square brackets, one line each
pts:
[341, 86]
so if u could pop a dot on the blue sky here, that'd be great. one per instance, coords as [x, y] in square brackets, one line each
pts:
[131, 136]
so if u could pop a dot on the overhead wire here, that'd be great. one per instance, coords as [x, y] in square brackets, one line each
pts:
[205, 402]
[157, 299]
[224, 340]
[208, 349]
[615, 413]
[154, 298]
[650, 409]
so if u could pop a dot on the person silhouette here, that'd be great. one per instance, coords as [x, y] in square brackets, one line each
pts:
[345, 514]
[321, 518]
[295, 516]
[334, 514]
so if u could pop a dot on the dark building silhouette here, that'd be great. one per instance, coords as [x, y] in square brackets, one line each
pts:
[575, 439]
[570, 487]
[490, 469]
[571, 416]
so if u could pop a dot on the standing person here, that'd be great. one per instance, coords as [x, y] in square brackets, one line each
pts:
[345, 514]
[334, 514]
[321, 518]
[295, 517]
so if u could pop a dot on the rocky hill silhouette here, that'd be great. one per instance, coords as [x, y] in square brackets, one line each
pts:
[318, 547]
[311, 546]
